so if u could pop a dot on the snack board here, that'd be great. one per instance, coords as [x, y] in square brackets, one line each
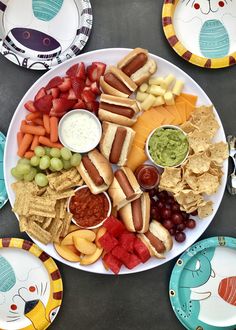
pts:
[111, 57]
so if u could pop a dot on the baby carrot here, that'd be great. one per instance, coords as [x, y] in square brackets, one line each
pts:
[53, 129]
[35, 130]
[20, 136]
[29, 154]
[34, 115]
[23, 122]
[25, 144]
[48, 143]
[35, 142]
[46, 123]
[38, 121]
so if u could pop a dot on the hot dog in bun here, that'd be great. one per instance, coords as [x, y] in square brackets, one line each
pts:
[116, 82]
[136, 215]
[137, 65]
[157, 239]
[96, 171]
[116, 142]
[118, 110]
[124, 188]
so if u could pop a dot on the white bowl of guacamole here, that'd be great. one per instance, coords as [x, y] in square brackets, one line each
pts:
[167, 146]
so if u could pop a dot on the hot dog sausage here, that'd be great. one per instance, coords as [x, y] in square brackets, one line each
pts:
[134, 65]
[137, 214]
[157, 244]
[124, 184]
[117, 145]
[111, 79]
[92, 171]
[117, 109]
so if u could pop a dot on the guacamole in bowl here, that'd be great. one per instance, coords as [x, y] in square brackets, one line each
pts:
[167, 146]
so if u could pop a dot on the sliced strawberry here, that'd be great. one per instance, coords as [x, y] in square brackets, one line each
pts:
[60, 106]
[44, 104]
[94, 88]
[88, 82]
[101, 67]
[54, 82]
[71, 72]
[30, 106]
[64, 95]
[65, 85]
[55, 91]
[92, 106]
[88, 96]
[96, 70]
[81, 71]
[79, 105]
[71, 95]
[41, 93]
[77, 86]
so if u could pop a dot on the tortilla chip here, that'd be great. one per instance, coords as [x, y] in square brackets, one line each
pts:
[199, 141]
[188, 127]
[208, 183]
[170, 177]
[205, 209]
[218, 152]
[198, 163]
[191, 179]
[209, 125]
[188, 197]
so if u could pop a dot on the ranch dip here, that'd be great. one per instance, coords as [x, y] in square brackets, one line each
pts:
[80, 131]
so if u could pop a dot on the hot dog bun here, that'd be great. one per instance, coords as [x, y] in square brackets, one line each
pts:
[104, 169]
[127, 215]
[144, 70]
[109, 109]
[108, 136]
[117, 192]
[123, 78]
[163, 237]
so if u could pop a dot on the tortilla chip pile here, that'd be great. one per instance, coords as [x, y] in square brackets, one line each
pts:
[201, 174]
[42, 211]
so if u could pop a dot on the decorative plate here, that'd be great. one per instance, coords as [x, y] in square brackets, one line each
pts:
[3, 192]
[111, 56]
[30, 296]
[203, 285]
[39, 34]
[202, 32]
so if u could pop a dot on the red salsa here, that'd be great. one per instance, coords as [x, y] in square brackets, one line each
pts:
[148, 176]
[89, 210]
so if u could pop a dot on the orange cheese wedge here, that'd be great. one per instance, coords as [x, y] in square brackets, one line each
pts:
[137, 157]
[190, 98]
[172, 109]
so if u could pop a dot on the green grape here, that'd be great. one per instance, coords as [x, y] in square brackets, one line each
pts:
[30, 176]
[66, 164]
[52, 169]
[55, 153]
[57, 164]
[23, 169]
[16, 174]
[39, 151]
[23, 161]
[44, 163]
[41, 180]
[34, 161]
[47, 151]
[75, 159]
[66, 154]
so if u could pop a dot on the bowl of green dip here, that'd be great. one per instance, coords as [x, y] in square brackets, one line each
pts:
[167, 146]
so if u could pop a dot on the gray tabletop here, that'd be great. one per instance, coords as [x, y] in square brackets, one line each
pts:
[138, 301]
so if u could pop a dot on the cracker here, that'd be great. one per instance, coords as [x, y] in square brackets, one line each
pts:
[39, 233]
[66, 224]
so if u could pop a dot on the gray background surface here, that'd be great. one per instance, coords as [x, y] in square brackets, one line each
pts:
[138, 301]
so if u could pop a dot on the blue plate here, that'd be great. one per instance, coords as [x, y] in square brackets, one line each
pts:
[203, 285]
[3, 192]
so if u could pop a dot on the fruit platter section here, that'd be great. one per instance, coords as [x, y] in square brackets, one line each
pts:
[120, 181]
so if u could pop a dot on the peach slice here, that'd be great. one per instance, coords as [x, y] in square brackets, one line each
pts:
[100, 233]
[83, 245]
[90, 259]
[82, 233]
[67, 252]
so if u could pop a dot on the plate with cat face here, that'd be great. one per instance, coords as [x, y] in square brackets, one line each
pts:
[30, 296]
[40, 34]
[202, 31]
[203, 285]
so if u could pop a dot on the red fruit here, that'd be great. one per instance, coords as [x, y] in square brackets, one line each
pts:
[55, 91]
[40, 94]
[155, 213]
[101, 68]
[44, 104]
[54, 82]
[95, 89]
[81, 72]
[180, 237]
[114, 226]
[77, 86]
[166, 213]
[126, 240]
[194, 213]
[172, 231]
[65, 85]
[88, 82]
[112, 263]
[60, 106]
[79, 105]
[168, 224]
[191, 223]
[108, 242]
[132, 261]
[30, 106]
[177, 218]
[71, 95]
[120, 253]
[95, 71]
[71, 72]
[64, 95]
[92, 106]
[141, 250]
[180, 227]
[160, 204]
[88, 96]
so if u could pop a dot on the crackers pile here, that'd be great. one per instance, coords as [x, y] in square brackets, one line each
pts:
[200, 175]
[43, 211]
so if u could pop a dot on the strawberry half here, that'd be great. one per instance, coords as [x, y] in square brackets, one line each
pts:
[94, 88]
[44, 104]
[41, 93]
[101, 68]
[92, 106]
[54, 82]
[65, 85]
[30, 106]
[77, 86]
[79, 105]
[95, 71]
[54, 92]
[71, 72]
[88, 82]
[88, 96]
[61, 106]
[71, 95]
[77, 70]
